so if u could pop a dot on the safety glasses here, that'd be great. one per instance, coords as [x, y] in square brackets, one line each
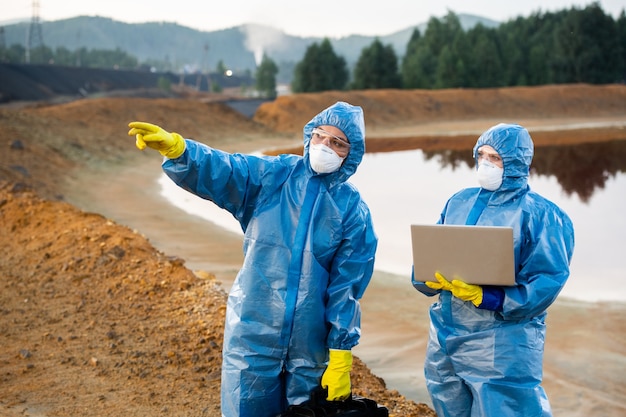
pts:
[337, 144]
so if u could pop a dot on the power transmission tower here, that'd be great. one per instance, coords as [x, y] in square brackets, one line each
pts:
[34, 38]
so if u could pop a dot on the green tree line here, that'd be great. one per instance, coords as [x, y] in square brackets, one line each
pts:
[570, 46]
[83, 57]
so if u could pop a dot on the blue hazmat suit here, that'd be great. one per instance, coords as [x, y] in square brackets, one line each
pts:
[488, 361]
[309, 248]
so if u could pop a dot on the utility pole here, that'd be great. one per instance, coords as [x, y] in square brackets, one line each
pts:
[78, 62]
[207, 69]
[204, 69]
[34, 38]
[3, 45]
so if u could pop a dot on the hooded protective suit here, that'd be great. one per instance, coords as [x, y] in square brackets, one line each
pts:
[309, 250]
[487, 361]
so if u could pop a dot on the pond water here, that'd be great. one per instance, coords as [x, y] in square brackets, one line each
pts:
[588, 181]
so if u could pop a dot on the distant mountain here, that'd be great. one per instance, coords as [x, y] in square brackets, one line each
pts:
[239, 48]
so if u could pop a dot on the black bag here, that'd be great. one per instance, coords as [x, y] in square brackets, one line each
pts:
[318, 406]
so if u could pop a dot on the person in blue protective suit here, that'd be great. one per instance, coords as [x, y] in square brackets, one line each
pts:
[293, 312]
[486, 343]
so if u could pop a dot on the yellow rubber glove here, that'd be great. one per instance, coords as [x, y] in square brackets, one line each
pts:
[337, 375]
[458, 288]
[171, 145]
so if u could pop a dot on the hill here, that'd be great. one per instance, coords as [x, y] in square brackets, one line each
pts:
[240, 48]
[102, 317]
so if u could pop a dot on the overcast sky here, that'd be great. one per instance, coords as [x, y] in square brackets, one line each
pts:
[321, 18]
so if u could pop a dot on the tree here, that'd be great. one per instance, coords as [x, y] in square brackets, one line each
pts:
[419, 63]
[450, 69]
[266, 77]
[588, 46]
[320, 70]
[105, 58]
[14, 54]
[512, 36]
[63, 56]
[444, 39]
[221, 67]
[621, 33]
[482, 58]
[377, 67]
[424, 66]
[41, 54]
[410, 76]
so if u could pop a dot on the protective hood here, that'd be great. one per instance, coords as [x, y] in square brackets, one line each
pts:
[349, 119]
[515, 146]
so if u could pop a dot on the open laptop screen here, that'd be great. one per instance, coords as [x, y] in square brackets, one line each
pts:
[481, 255]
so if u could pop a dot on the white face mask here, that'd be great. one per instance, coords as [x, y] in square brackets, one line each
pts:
[489, 175]
[323, 159]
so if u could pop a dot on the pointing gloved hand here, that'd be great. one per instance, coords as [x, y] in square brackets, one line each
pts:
[171, 145]
[337, 375]
[458, 288]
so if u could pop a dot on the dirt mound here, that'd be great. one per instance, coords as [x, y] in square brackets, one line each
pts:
[394, 109]
[95, 321]
[453, 119]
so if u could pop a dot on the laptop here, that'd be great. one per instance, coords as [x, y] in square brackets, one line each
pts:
[481, 255]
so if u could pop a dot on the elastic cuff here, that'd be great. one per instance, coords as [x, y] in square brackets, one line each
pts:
[493, 298]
